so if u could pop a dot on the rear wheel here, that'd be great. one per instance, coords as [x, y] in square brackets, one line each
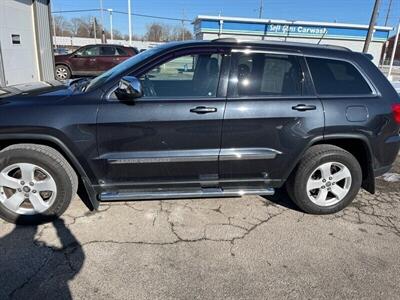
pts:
[36, 184]
[62, 72]
[326, 180]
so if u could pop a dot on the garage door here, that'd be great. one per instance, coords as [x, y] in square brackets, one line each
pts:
[17, 42]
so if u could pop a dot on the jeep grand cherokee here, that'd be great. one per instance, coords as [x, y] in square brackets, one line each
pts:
[201, 119]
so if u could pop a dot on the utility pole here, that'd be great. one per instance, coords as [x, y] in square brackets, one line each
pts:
[94, 29]
[260, 12]
[387, 42]
[396, 40]
[371, 25]
[183, 24]
[54, 31]
[388, 12]
[103, 39]
[111, 23]
[129, 22]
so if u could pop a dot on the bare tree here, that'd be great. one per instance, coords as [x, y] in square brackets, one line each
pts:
[157, 32]
[62, 26]
[79, 27]
[179, 33]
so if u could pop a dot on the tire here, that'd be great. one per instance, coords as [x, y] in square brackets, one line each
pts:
[319, 160]
[53, 177]
[62, 72]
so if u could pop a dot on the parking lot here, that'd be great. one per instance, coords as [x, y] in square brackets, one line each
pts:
[248, 247]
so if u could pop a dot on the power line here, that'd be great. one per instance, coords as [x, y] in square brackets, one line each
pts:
[121, 12]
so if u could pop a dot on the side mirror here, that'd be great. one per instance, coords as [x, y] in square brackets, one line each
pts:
[129, 88]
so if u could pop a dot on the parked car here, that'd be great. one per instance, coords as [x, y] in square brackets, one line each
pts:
[241, 119]
[60, 51]
[91, 60]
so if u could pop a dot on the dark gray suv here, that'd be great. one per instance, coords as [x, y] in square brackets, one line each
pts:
[201, 119]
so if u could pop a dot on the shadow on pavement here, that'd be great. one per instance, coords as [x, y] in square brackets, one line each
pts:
[33, 270]
[282, 198]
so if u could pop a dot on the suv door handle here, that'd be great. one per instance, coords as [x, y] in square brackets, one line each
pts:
[203, 110]
[304, 107]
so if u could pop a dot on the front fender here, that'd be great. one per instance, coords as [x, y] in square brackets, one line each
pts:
[87, 194]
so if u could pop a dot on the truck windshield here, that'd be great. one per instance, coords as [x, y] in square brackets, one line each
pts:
[122, 67]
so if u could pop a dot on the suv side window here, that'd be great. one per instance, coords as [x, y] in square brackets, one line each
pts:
[121, 51]
[108, 51]
[261, 74]
[190, 75]
[336, 77]
[90, 51]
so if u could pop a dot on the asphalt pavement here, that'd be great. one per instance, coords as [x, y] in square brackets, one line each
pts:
[226, 248]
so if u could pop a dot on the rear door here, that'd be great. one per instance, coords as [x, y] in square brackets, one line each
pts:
[108, 58]
[271, 116]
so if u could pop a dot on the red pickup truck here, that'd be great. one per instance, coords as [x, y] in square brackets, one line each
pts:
[91, 60]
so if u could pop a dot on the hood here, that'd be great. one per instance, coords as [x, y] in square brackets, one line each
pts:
[51, 89]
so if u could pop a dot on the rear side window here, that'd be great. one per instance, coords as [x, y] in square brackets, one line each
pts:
[121, 52]
[261, 74]
[336, 77]
[108, 51]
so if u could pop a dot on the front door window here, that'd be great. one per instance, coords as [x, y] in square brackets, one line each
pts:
[190, 75]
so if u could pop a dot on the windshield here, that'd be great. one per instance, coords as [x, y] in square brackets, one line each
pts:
[122, 67]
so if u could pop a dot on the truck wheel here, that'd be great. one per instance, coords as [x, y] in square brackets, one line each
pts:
[36, 184]
[326, 180]
[62, 72]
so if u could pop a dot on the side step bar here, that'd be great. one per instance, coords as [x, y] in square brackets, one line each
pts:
[203, 193]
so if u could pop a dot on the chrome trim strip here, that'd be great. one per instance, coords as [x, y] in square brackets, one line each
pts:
[146, 160]
[247, 153]
[213, 192]
[143, 157]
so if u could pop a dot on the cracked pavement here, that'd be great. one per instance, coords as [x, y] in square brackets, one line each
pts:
[237, 248]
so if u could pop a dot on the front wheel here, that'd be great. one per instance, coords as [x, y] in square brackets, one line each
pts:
[326, 180]
[36, 184]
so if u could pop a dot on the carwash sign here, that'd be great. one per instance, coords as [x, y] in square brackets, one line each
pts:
[293, 30]
[242, 26]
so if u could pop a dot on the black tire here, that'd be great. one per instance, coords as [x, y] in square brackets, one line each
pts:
[314, 157]
[62, 69]
[56, 165]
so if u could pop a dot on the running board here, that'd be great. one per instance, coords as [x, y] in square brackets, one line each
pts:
[203, 193]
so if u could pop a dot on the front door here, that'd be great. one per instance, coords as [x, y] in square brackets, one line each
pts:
[84, 61]
[271, 116]
[172, 133]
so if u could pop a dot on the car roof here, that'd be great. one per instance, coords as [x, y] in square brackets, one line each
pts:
[296, 47]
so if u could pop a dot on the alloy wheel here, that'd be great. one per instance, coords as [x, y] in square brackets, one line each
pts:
[27, 189]
[329, 183]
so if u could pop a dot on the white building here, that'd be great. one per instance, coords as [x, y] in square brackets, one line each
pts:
[351, 36]
[26, 53]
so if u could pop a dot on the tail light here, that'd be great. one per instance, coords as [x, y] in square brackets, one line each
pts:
[396, 112]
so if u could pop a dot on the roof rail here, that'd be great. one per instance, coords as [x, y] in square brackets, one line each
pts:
[335, 47]
[229, 39]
